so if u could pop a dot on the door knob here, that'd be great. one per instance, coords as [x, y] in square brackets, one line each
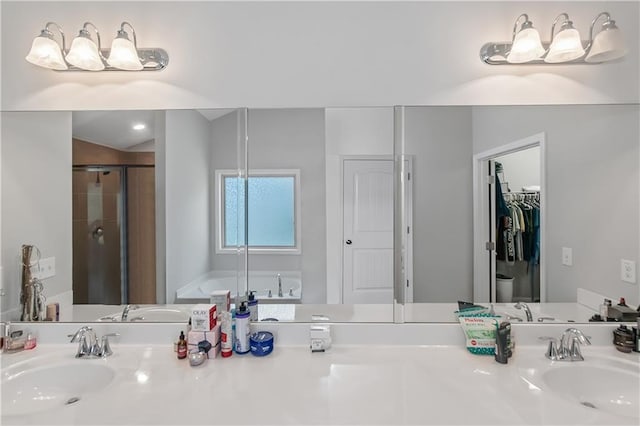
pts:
[348, 242]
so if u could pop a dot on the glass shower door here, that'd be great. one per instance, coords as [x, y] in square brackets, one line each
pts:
[99, 257]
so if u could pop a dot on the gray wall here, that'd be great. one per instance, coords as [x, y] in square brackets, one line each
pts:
[36, 198]
[187, 198]
[357, 132]
[592, 164]
[440, 140]
[294, 139]
[224, 156]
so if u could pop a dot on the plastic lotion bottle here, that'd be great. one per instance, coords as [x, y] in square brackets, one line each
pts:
[226, 334]
[604, 309]
[253, 306]
[242, 329]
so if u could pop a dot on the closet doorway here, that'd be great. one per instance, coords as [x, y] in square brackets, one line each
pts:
[509, 198]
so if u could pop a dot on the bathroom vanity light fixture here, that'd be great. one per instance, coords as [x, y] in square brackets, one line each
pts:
[85, 55]
[564, 47]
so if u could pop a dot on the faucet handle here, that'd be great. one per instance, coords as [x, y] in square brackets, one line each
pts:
[105, 346]
[552, 349]
[84, 349]
[574, 351]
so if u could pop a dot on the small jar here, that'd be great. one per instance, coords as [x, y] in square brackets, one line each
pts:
[623, 339]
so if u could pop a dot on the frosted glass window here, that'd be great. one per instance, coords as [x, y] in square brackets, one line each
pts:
[271, 211]
[233, 211]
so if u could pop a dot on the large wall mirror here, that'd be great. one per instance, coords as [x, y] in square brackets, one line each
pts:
[297, 207]
[518, 205]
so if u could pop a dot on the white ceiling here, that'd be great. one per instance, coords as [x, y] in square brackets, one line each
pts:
[115, 128]
[212, 114]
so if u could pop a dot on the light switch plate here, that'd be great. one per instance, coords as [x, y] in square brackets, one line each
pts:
[628, 271]
[567, 256]
[45, 268]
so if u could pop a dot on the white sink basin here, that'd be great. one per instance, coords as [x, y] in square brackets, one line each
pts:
[607, 388]
[28, 391]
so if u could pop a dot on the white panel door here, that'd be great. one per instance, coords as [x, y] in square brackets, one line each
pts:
[368, 231]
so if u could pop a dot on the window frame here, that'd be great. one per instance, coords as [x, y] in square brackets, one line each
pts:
[219, 211]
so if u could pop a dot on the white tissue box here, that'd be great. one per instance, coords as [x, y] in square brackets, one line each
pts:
[213, 337]
[203, 317]
[222, 300]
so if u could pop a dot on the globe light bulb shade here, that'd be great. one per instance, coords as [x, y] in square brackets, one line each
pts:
[45, 52]
[608, 45]
[84, 54]
[565, 46]
[124, 55]
[526, 47]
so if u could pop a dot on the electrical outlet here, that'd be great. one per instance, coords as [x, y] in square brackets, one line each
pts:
[45, 268]
[628, 271]
[567, 256]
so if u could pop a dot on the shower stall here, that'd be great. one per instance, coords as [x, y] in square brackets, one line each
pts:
[113, 234]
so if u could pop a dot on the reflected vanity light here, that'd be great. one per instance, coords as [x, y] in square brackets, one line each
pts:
[139, 126]
[85, 55]
[565, 46]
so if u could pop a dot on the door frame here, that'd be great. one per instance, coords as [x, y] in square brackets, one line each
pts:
[408, 222]
[483, 284]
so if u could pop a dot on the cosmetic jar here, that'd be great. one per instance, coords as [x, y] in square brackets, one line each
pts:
[261, 343]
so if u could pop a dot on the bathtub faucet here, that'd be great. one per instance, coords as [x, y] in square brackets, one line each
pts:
[527, 311]
[279, 285]
[125, 311]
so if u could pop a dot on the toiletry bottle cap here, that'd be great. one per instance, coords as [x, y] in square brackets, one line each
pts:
[252, 295]
[622, 302]
[181, 335]
[242, 308]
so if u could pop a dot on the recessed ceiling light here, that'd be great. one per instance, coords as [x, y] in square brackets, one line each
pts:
[139, 126]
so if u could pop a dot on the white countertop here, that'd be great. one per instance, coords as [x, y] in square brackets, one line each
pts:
[374, 384]
[374, 374]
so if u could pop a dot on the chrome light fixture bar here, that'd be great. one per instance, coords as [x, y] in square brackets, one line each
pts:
[564, 48]
[85, 55]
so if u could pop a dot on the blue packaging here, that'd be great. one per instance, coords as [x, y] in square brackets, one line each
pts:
[261, 343]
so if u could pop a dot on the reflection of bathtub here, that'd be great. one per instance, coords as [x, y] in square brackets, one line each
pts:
[158, 313]
[263, 282]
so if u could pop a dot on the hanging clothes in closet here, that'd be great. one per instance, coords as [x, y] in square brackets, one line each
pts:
[518, 217]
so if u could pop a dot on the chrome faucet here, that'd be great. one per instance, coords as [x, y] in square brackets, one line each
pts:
[527, 311]
[125, 311]
[279, 286]
[569, 346]
[88, 346]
